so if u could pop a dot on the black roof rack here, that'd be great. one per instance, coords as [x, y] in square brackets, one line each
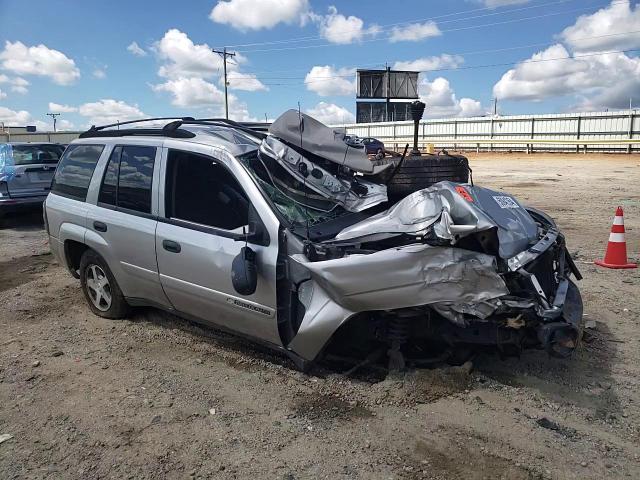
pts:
[172, 129]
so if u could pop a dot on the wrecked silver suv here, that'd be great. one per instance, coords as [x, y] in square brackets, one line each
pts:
[289, 237]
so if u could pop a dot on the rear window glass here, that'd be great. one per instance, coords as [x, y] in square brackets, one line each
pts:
[33, 154]
[75, 170]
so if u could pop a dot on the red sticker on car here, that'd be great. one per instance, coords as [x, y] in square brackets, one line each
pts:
[463, 193]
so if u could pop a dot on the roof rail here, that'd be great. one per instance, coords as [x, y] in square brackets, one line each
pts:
[130, 132]
[172, 129]
[129, 122]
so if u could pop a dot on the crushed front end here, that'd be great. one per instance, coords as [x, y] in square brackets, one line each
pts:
[449, 270]
[445, 271]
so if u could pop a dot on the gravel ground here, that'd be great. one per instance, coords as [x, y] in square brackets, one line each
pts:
[155, 396]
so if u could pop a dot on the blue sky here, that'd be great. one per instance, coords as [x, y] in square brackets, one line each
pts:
[107, 61]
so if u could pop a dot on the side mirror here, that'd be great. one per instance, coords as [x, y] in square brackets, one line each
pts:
[257, 233]
[244, 273]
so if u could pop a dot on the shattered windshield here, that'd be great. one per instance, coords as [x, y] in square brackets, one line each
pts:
[296, 212]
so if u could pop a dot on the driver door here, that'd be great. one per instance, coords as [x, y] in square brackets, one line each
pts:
[204, 211]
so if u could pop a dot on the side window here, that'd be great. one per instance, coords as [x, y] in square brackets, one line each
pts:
[134, 178]
[109, 189]
[200, 190]
[127, 178]
[75, 170]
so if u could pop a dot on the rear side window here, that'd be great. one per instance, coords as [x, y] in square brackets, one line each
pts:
[127, 178]
[75, 170]
[109, 190]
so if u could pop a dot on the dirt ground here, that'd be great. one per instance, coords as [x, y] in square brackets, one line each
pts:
[158, 397]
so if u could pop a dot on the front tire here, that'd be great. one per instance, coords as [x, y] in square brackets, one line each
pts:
[100, 288]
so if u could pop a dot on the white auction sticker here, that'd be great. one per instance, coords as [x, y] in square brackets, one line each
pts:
[506, 202]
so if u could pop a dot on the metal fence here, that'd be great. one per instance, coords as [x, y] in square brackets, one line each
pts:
[57, 137]
[595, 131]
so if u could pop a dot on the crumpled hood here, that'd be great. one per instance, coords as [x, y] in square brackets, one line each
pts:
[453, 211]
[308, 134]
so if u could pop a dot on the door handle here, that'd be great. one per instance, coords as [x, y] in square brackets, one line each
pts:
[171, 246]
[100, 226]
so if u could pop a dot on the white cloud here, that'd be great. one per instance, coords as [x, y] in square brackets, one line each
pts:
[414, 32]
[337, 28]
[109, 111]
[39, 60]
[255, 15]
[327, 80]
[191, 92]
[17, 84]
[100, 73]
[188, 69]
[14, 118]
[470, 108]
[502, 3]
[618, 17]
[575, 76]
[426, 64]
[136, 50]
[61, 125]
[184, 58]
[331, 114]
[595, 80]
[196, 93]
[441, 100]
[60, 108]
[2, 94]
[243, 81]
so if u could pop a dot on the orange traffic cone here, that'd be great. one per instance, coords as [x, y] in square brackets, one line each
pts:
[616, 254]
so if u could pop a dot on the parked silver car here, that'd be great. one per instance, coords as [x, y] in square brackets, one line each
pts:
[288, 237]
[26, 171]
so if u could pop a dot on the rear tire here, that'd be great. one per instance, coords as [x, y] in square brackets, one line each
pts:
[100, 288]
[417, 173]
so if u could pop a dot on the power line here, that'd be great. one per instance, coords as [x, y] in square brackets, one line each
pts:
[458, 29]
[409, 22]
[489, 65]
[475, 52]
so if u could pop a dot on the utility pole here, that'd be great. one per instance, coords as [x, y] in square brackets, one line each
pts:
[495, 106]
[53, 115]
[224, 55]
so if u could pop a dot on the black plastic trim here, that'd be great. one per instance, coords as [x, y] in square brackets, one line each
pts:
[212, 230]
[130, 132]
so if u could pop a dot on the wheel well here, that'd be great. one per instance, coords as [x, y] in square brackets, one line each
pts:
[73, 251]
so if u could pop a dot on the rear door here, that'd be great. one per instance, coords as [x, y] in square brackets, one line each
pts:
[121, 221]
[34, 166]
